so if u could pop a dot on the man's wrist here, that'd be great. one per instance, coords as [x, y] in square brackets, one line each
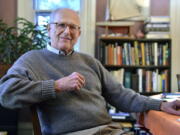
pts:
[162, 105]
[56, 86]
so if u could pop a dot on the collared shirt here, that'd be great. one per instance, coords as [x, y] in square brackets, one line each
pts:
[56, 51]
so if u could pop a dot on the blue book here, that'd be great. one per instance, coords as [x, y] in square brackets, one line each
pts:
[127, 80]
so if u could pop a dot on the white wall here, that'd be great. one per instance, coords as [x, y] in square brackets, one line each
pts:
[25, 9]
[88, 16]
[175, 33]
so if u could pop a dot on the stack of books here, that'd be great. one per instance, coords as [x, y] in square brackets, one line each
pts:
[158, 27]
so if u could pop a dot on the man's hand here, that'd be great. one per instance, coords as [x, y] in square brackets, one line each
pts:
[171, 107]
[74, 81]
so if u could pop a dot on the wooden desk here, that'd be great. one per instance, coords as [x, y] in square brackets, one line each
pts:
[161, 123]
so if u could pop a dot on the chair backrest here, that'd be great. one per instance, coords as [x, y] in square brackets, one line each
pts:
[35, 121]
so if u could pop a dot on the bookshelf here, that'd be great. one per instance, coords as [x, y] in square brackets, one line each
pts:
[146, 62]
[116, 33]
[144, 65]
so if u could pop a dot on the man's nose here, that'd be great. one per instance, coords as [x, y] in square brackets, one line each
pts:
[67, 29]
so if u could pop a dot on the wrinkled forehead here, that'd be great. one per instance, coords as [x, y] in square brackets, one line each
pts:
[66, 16]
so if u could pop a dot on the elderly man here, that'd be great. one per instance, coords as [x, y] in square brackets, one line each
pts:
[69, 88]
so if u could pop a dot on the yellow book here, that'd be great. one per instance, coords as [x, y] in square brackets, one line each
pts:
[143, 54]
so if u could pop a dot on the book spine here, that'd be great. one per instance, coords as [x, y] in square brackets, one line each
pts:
[143, 54]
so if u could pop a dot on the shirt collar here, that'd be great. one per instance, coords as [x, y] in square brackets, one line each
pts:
[56, 51]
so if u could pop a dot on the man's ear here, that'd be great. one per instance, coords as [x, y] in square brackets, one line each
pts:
[79, 32]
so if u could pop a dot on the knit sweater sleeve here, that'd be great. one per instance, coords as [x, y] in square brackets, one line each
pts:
[123, 98]
[19, 88]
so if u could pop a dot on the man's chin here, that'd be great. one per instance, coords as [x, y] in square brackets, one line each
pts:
[66, 49]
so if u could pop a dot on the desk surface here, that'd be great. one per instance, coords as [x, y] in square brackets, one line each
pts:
[161, 123]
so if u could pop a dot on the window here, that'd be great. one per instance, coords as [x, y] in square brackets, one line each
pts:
[43, 9]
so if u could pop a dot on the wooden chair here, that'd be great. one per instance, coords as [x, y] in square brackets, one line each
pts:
[35, 121]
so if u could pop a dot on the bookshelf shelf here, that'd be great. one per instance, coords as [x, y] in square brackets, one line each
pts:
[144, 67]
[115, 23]
[129, 39]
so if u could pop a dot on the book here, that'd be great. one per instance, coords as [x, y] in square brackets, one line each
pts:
[155, 80]
[140, 80]
[155, 46]
[126, 53]
[110, 54]
[157, 35]
[133, 56]
[119, 55]
[135, 82]
[147, 54]
[148, 81]
[157, 27]
[118, 75]
[119, 115]
[143, 53]
[136, 51]
[159, 19]
[127, 79]
[115, 54]
[165, 54]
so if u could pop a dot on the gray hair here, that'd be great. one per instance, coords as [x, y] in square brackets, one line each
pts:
[53, 13]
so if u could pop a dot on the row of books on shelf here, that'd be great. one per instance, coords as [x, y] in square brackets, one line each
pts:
[143, 81]
[135, 54]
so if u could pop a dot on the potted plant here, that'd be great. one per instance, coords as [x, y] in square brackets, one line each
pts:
[16, 40]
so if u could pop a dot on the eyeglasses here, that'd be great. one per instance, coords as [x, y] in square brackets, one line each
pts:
[63, 26]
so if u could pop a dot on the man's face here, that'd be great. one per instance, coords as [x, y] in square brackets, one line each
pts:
[64, 31]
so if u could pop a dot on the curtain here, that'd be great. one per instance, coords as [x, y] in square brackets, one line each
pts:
[175, 27]
[88, 22]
